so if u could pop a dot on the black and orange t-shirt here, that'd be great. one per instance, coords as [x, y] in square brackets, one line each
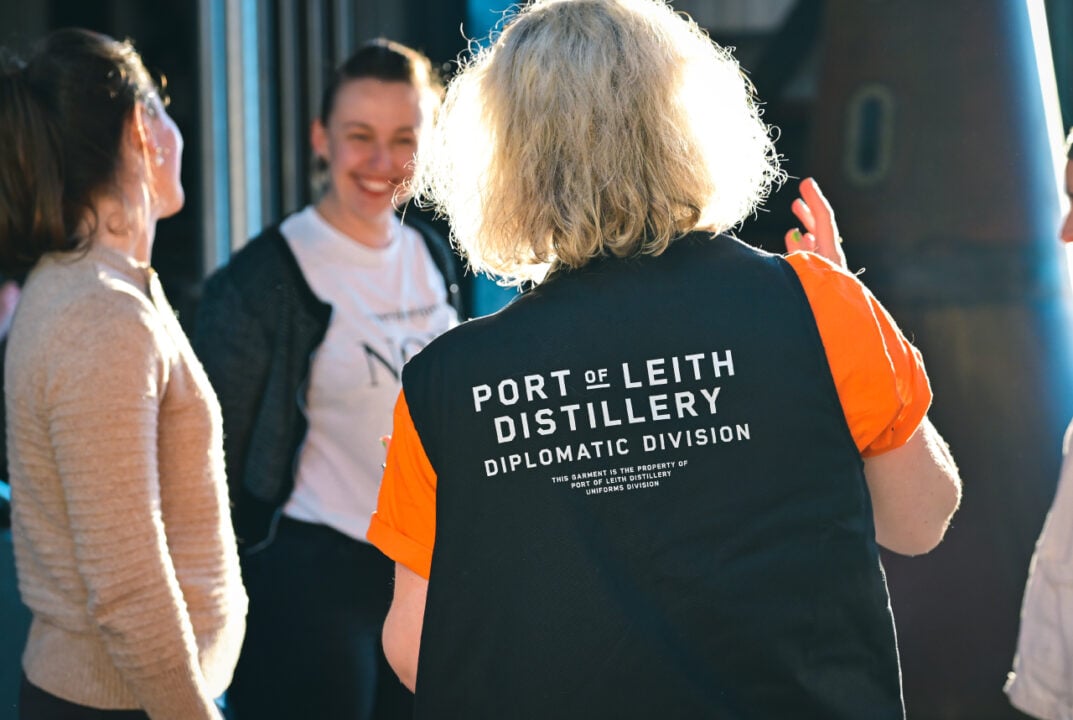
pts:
[879, 376]
[652, 467]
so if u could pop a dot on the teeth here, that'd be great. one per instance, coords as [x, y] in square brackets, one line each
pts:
[376, 186]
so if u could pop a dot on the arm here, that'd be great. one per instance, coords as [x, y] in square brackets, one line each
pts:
[105, 382]
[885, 395]
[234, 351]
[402, 627]
[404, 528]
[915, 490]
[821, 231]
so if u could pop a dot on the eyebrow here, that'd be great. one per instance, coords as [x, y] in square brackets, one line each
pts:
[366, 126]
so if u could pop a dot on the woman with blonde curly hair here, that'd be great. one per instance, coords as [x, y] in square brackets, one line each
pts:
[655, 484]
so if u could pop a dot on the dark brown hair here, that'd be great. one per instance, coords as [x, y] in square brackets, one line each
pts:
[62, 116]
[385, 60]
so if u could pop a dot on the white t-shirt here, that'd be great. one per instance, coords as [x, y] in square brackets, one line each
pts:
[387, 303]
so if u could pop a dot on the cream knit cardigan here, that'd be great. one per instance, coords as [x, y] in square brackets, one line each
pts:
[123, 539]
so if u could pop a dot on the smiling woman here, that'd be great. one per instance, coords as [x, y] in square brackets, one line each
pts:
[304, 335]
[369, 142]
[366, 136]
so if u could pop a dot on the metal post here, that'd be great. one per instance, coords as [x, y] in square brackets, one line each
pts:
[215, 178]
[292, 131]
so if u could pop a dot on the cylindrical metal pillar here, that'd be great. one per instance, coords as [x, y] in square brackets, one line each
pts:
[935, 141]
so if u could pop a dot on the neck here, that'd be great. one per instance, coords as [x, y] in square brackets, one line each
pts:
[376, 232]
[115, 229]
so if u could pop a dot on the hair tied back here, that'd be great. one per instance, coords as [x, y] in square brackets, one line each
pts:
[31, 175]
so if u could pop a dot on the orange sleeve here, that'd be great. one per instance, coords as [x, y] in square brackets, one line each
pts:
[879, 375]
[404, 524]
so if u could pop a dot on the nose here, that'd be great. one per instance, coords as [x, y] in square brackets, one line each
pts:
[380, 157]
[1067, 228]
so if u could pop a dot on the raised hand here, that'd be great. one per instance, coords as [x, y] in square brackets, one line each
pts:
[818, 219]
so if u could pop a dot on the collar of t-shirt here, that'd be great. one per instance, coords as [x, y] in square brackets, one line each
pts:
[314, 240]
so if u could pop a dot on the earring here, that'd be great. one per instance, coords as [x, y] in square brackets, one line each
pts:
[158, 156]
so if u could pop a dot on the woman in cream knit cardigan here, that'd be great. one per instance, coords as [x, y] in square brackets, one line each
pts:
[123, 543]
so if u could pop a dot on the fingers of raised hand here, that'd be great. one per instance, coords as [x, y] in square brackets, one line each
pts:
[796, 241]
[818, 207]
[803, 213]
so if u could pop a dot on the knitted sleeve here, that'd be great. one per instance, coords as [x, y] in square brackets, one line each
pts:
[105, 375]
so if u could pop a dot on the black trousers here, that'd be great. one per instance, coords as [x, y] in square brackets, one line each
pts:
[36, 704]
[318, 599]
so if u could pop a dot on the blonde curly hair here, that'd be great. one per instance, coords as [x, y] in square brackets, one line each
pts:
[593, 127]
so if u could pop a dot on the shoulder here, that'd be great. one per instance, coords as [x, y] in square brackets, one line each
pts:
[816, 271]
[264, 266]
[100, 319]
[429, 234]
[438, 247]
[456, 349]
[262, 283]
[73, 292]
[839, 300]
[702, 252]
[837, 296]
[113, 312]
[445, 259]
[265, 255]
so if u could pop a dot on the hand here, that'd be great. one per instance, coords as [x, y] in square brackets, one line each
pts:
[821, 231]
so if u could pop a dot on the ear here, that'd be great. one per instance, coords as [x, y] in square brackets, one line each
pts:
[318, 139]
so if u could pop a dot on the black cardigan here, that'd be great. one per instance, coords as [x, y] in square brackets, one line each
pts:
[257, 326]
